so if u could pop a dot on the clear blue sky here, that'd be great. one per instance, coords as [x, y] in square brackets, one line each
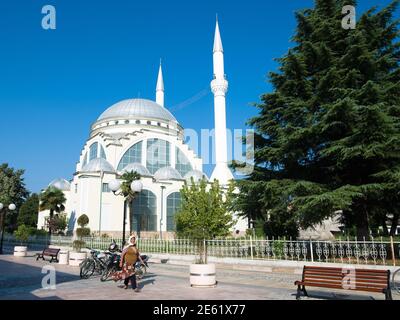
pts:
[54, 84]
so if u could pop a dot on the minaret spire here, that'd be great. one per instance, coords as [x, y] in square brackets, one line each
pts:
[160, 87]
[219, 87]
[217, 39]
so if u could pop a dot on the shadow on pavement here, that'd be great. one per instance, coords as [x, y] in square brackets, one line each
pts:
[18, 281]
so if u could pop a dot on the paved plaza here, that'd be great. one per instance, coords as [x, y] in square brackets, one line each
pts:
[21, 279]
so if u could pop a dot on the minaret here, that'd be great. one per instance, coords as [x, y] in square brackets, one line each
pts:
[219, 87]
[160, 88]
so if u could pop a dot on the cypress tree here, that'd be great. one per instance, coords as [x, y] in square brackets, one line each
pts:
[327, 137]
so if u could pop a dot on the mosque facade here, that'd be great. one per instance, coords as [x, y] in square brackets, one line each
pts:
[142, 135]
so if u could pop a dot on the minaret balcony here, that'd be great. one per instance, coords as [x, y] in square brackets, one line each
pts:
[219, 86]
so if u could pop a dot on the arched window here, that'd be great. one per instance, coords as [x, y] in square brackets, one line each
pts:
[182, 163]
[174, 202]
[144, 212]
[133, 155]
[93, 150]
[96, 151]
[158, 155]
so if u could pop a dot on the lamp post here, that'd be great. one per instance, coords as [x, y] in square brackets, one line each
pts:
[11, 207]
[136, 187]
[253, 227]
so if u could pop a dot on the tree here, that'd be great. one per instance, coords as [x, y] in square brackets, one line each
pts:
[129, 195]
[28, 213]
[52, 199]
[12, 190]
[58, 223]
[327, 137]
[81, 232]
[204, 214]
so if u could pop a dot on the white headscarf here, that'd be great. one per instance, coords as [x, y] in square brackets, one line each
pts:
[129, 244]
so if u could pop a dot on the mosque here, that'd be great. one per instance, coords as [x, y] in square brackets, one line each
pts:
[143, 136]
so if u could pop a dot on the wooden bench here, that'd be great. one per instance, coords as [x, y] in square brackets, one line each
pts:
[345, 278]
[53, 253]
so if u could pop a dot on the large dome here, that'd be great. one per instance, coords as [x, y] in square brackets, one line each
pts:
[137, 108]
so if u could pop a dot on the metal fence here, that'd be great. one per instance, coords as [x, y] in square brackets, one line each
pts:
[340, 251]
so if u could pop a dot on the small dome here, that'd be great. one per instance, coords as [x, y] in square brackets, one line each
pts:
[139, 168]
[137, 108]
[98, 165]
[60, 184]
[197, 175]
[167, 173]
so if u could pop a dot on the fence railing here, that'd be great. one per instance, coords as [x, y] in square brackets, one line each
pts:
[340, 251]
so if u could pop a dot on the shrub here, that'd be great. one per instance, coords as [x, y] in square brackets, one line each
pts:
[22, 233]
[83, 220]
[81, 232]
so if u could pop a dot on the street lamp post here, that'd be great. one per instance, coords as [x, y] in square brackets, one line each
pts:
[253, 227]
[11, 207]
[136, 187]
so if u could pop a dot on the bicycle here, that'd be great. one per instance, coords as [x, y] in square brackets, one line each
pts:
[396, 281]
[95, 263]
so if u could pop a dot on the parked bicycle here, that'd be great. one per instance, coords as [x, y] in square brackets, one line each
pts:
[396, 281]
[113, 261]
[97, 262]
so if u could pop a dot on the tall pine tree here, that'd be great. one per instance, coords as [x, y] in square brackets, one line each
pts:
[327, 137]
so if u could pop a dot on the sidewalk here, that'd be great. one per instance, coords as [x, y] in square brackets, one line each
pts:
[21, 278]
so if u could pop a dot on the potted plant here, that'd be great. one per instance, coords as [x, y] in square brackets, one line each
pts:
[22, 235]
[77, 256]
[204, 215]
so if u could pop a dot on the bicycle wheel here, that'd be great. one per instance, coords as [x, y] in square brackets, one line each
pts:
[140, 272]
[87, 269]
[107, 273]
[396, 281]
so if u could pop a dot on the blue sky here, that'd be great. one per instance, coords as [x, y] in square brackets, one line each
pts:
[54, 84]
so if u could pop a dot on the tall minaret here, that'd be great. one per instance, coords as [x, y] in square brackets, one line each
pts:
[160, 88]
[219, 87]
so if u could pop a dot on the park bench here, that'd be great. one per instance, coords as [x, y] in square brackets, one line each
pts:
[345, 278]
[49, 252]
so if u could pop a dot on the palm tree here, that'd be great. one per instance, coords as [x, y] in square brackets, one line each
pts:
[52, 199]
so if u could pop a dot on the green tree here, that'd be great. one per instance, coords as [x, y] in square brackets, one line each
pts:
[327, 137]
[127, 179]
[81, 232]
[22, 233]
[205, 213]
[58, 223]
[52, 199]
[28, 213]
[12, 190]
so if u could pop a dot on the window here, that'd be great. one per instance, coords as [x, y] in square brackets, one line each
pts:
[76, 188]
[158, 155]
[96, 151]
[102, 153]
[133, 155]
[85, 160]
[174, 202]
[144, 212]
[182, 163]
[106, 187]
[93, 151]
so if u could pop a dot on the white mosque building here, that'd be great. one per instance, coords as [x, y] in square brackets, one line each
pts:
[143, 136]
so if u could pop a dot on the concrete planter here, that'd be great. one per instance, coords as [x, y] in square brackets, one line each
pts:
[20, 251]
[76, 258]
[63, 257]
[203, 275]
